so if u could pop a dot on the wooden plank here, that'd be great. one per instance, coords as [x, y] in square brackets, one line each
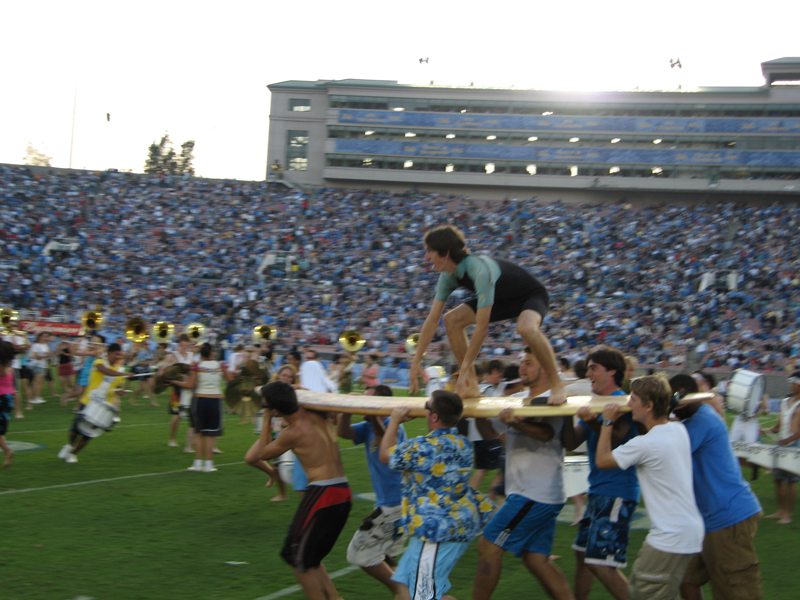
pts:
[473, 407]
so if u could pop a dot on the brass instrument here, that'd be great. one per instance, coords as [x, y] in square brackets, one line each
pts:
[91, 320]
[196, 332]
[264, 332]
[411, 343]
[351, 340]
[7, 317]
[163, 332]
[136, 330]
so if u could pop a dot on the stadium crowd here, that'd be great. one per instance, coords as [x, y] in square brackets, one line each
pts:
[184, 250]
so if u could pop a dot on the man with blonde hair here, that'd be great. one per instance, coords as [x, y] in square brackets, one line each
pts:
[663, 461]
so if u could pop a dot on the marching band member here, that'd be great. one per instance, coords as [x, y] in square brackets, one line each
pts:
[103, 380]
[181, 399]
[788, 429]
[205, 380]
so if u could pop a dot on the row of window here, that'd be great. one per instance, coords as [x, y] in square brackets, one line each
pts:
[592, 140]
[572, 109]
[588, 170]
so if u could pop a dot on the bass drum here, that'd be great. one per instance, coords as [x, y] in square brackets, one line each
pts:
[744, 393]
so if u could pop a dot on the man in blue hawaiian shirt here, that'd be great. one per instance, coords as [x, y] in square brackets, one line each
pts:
[441, 513]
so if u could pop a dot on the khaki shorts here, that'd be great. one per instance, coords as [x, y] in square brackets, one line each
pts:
[729, 562]
[378, 537]
[657, 575]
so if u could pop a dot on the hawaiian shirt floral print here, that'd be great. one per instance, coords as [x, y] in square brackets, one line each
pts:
[438, 505]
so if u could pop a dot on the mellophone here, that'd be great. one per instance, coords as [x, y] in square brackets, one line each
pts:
[770, 456]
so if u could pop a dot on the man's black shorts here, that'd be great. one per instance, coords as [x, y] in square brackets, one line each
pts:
[488, 454]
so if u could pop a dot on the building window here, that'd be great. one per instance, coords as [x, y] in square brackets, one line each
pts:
[297, 150]
[299, 104]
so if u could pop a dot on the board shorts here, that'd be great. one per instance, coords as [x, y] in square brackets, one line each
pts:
[39, 370]
[378, 537]
[317, 523]
[523, 525]
[206, 416]
[425, 567]
[604, 530]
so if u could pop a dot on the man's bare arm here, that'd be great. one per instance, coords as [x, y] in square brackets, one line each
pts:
[486, 430]
[344, 429]
[425, 337]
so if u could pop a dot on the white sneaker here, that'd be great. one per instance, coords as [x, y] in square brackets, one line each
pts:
[71, 458]
[116, 419]
[209, 469]
[64, 452]
[38, 401]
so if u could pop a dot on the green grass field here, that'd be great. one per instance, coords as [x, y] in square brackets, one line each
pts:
[129, 522]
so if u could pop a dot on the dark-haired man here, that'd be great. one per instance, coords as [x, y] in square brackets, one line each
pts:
[103, 380]
[503, 291]
[602, 540]
[526, 523]
[663, 461]
[729, 508]
[441, 513]
[323, 511]
[379, 536]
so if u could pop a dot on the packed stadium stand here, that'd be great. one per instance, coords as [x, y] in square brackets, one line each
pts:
[714, 282]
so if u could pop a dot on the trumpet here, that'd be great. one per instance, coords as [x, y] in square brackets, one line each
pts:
[162, 332]
[264, 332]
[136, 330]
[91, 320]
[196, 332]
[351, 340]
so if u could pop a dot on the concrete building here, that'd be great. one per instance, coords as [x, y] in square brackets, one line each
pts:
[738, 143]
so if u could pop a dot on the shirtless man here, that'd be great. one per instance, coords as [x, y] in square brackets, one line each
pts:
[323, 511]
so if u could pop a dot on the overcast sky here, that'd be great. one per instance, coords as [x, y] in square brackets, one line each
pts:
[199, 70]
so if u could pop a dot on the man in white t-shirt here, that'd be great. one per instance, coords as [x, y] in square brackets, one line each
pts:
[663, 461]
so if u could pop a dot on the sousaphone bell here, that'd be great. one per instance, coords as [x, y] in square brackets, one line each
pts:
[351, 340]
[264, 332]
[163, 332]
[136, 330]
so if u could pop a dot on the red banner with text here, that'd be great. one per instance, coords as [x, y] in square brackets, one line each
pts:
[37, 327]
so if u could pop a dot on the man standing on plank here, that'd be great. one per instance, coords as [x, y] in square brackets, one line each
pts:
[504, 291]
[323, 511]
